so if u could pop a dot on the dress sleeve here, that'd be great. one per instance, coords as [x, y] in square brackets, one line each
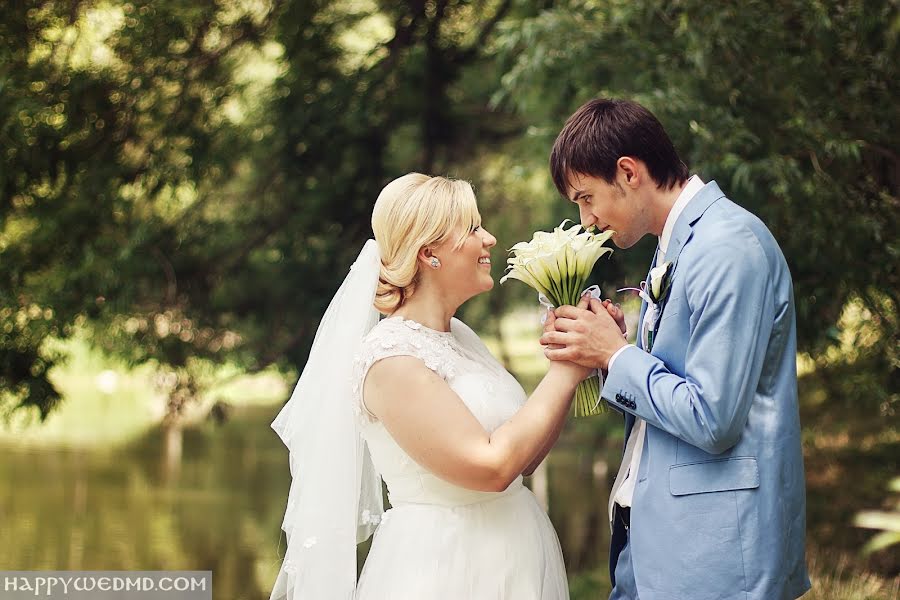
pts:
[394, 339]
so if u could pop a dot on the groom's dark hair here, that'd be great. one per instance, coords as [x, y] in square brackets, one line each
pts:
[604, 130]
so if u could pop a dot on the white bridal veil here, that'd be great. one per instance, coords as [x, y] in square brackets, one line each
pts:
[335, 496]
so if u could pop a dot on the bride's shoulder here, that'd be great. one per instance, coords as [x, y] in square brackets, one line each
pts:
[385, 325]
[395, 336]
[394, 326]
[395, 331]
[463, 332]
[467, 337]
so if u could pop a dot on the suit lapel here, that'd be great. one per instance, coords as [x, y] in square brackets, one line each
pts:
[684, 229]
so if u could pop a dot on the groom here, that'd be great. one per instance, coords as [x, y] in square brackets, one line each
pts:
[709, 502]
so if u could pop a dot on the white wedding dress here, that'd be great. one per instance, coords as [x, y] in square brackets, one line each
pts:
[441, 541]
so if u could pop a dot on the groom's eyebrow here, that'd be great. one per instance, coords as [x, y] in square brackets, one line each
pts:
[578, 194]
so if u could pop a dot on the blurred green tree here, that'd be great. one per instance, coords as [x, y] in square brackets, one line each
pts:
[119, 123]
[189, 183]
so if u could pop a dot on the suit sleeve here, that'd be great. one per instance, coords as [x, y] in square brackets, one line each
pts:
[729, 292]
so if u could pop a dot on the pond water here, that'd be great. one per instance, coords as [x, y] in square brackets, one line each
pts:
[215, 501]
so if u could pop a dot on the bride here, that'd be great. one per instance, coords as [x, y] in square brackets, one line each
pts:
[418, 401]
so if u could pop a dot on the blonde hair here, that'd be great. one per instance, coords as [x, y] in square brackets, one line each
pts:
[411, 212]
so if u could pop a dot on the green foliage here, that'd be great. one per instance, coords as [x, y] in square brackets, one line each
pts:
[190, 182]
[125, 129]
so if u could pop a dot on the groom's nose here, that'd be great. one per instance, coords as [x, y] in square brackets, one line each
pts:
[587, 217]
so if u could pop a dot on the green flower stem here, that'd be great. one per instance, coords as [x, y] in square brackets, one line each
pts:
[556, 288]
[586, 395]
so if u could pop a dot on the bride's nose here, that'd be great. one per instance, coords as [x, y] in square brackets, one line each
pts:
[488, 240]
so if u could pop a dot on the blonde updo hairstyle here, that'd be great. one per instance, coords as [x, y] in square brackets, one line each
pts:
[412, 212]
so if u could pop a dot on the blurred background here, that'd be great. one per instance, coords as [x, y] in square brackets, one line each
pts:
[183, 185]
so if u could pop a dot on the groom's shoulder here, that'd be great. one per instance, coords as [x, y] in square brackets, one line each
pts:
[732, 232]
[726, 225]
[726, 221]
[726, 212]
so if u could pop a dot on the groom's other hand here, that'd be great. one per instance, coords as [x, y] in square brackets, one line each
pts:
[588, 333]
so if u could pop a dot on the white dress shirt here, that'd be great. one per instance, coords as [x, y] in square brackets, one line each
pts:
[623, 488]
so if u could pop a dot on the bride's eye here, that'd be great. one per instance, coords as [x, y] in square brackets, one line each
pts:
[476, 228]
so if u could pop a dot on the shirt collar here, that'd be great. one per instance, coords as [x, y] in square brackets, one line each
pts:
[693, 185]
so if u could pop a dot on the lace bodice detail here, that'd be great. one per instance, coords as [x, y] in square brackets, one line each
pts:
[461, 359]
[397, 336]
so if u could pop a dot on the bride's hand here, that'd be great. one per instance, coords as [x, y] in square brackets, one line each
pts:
[576, 371]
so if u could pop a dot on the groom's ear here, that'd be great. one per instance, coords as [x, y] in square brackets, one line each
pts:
[629, 171]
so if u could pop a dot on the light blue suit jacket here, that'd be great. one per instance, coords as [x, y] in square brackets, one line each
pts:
[719, 505]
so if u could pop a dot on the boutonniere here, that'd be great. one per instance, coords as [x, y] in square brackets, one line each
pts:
[655, 296]
[660, 281]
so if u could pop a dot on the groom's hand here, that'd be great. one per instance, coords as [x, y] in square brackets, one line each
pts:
[550, 320]
[586, 334]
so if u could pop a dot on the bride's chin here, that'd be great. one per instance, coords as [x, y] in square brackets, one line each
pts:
[486, 287]
[484, 284]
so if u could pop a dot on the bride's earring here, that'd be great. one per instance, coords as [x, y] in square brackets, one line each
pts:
[435, 263]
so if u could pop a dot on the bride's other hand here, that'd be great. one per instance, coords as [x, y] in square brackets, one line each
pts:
[616, 312]
[549, 325]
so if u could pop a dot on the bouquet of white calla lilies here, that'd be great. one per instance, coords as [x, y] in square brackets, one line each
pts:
[558, 265]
